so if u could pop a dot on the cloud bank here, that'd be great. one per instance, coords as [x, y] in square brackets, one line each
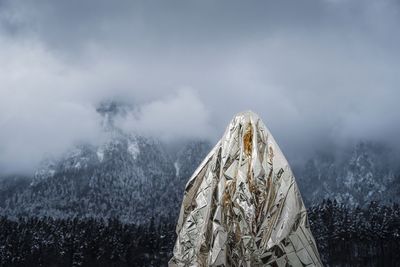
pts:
[320, 73]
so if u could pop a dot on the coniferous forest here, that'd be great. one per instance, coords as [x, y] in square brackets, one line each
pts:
[345, 237]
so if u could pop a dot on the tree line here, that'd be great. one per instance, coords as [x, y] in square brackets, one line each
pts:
[345, 237]
[357, 237]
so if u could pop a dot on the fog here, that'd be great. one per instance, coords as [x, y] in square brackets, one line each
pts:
[321, 74]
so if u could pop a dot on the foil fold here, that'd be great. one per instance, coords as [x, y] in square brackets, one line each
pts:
[242, 206]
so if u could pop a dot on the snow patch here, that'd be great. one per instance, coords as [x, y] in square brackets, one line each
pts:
[177, 168]
[100, 154]
[77, 165]
[133, 149]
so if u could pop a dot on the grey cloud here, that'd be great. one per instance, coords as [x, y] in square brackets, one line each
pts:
[320, 73]
[180, 115]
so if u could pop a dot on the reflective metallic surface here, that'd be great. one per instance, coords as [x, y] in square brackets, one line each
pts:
[242, 206]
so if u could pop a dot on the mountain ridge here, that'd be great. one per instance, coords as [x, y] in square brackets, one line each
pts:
[135, 178]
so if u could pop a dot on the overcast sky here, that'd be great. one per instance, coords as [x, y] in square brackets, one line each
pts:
[320, 73]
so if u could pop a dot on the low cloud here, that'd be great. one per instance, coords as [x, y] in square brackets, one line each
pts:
[321, 74]
[180, 115]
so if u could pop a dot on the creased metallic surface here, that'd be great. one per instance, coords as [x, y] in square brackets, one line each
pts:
[242, 206]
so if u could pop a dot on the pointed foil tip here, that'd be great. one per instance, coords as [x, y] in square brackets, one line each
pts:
[242, 206]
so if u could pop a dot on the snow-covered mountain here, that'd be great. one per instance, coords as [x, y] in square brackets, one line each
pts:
[368, 172]
[135, 177]
[127, 176]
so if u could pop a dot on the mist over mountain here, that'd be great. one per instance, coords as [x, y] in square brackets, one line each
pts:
[128, 176]
[136, 178]
[322, 74]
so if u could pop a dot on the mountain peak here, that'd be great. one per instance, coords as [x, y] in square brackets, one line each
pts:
[111, 109]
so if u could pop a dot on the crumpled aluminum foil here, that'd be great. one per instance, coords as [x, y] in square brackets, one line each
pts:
[242, 206]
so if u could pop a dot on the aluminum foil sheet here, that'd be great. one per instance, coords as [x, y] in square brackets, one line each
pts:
[242, 206]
